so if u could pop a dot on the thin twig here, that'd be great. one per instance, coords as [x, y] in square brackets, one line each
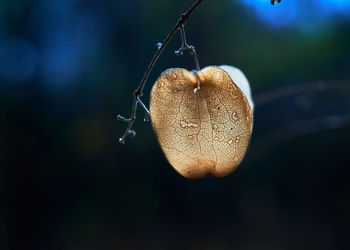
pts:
[146, 119]
[138, 92]
[192, 49]
[303, 127]
[269, 96]
[186, 46]
[295, 129]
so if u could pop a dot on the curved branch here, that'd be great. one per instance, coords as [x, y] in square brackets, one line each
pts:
[138, 92]
[296, 89]
[300, 128]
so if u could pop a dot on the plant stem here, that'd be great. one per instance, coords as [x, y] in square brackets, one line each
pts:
[186, 46]
[139, 91]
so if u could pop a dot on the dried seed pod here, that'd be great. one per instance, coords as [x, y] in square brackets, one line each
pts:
[202, 131]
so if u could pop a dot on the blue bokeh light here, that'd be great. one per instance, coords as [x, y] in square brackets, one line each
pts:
[335, 7]
[18, 60]
[313, 13]
[274, 15]
[70, 37]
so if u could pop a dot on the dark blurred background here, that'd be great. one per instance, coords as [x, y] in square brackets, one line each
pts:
[68, 67]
